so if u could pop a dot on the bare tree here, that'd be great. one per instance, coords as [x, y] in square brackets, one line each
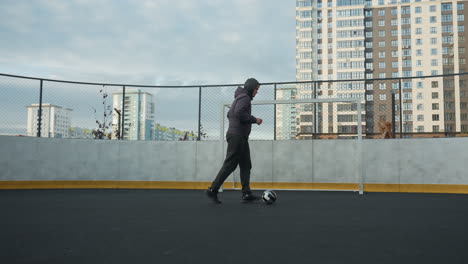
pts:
[106, 122]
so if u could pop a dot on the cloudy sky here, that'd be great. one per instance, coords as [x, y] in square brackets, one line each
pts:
[162, 42]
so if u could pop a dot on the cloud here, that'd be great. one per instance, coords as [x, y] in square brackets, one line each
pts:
[155, 42]
[135, 41]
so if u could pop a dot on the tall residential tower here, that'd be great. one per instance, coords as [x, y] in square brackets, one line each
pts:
[358, 39]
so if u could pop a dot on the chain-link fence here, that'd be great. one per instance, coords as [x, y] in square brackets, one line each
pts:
[426, 106]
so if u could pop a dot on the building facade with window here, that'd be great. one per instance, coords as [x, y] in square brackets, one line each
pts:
[55, 121]
[285, 113]
[139, 114]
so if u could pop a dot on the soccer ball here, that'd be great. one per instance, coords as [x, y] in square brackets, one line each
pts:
[269, 197]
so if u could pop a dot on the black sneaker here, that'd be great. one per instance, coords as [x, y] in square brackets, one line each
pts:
[248, 196]
[213, 195]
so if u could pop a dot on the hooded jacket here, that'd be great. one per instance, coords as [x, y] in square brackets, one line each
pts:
[239, 115]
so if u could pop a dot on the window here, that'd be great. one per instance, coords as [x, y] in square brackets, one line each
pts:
[406, 63]
[433, 19]
[420, 117]
[407, 85]
[418, 41]
[447, 18]
[394, 54]
[394, 22]
[417, 9]
[382, 86]
[434, 62]
[418, 20]
[419, 96]
[435, 84]
[435, 128]
[435, 117]
[405, 10]
[446, 7]
[381, 44]
[395, 64]
[406, 31]
[381, 23]
[433, 41]
[394, 11]
[435, 95]
[418, 31]
[419, 85]
[383, 97]
[461, 17]
[432, 8]
[433, 30]
[394, 33]
[433, 51]
[381, 12]
[419, 63]
[406, 42]
[435, 106]
[406, 74]
[381, 54]
[418, 52]
[382, 65]
[460, 6]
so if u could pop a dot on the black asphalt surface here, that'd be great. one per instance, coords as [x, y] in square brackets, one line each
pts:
[182, 226]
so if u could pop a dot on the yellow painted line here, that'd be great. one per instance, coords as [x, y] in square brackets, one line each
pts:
[417, 188]
[103, 185]
[407, 188]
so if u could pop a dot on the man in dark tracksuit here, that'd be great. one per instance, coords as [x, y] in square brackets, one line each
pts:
[237, 136]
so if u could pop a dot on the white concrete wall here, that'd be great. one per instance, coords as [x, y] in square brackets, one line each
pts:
[418, 161]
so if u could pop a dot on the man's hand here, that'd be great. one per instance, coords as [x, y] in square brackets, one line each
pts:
[259, 121]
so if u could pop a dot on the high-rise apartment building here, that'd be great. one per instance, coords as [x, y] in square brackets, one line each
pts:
[358, 39]
[138, 114]
[286, 113]
[55, 121]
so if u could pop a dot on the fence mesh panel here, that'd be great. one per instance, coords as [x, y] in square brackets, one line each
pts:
[429, 106]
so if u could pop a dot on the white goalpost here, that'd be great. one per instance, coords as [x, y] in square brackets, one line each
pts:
[359, 177]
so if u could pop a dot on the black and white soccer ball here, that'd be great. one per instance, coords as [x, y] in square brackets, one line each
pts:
[269, 196]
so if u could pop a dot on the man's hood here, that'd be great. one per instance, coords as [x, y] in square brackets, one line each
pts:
[239, 91]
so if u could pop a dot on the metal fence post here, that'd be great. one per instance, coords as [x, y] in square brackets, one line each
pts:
[123, 113]
[393, 115]
[401, 108]
[274, 120]
[40, 111]
[315, 111]
[199, 112]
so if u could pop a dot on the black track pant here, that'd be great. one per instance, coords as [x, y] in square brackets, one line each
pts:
[238, 152]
